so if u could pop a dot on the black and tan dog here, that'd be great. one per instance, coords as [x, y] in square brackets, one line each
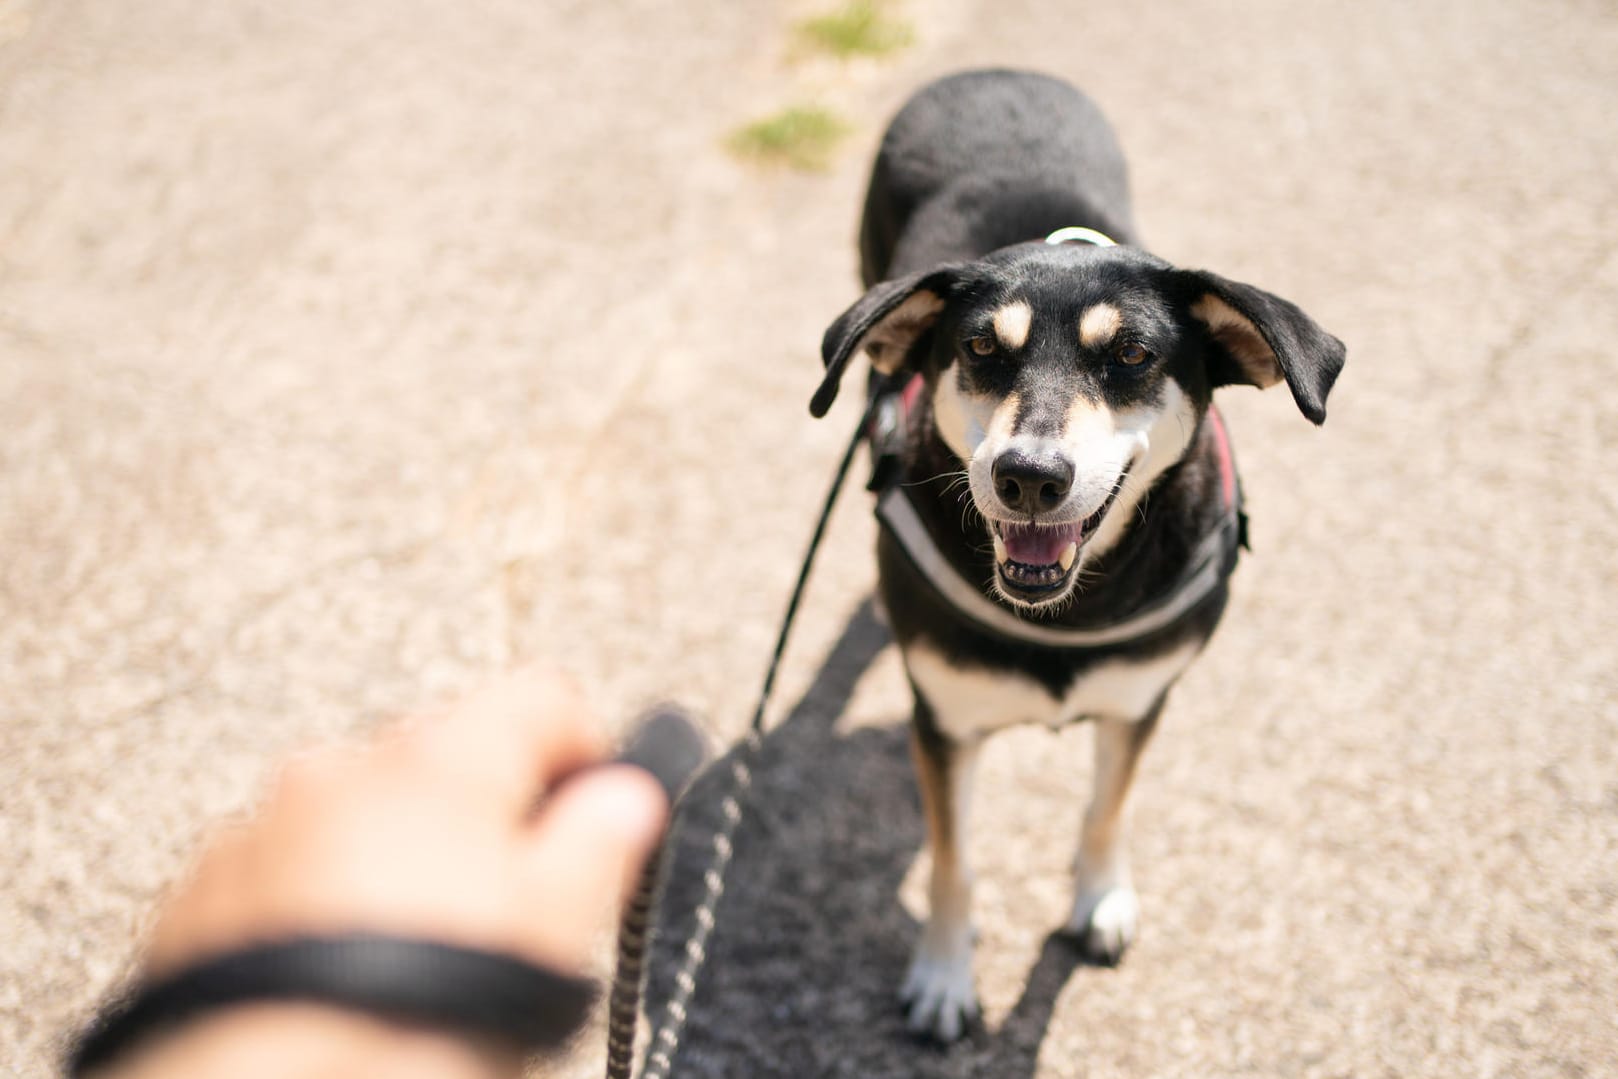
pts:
[1064, 513]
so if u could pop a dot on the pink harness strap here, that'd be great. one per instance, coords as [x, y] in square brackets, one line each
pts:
[911, 393]
[1227, 463]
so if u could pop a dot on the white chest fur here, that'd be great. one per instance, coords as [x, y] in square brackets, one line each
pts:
[969, 702]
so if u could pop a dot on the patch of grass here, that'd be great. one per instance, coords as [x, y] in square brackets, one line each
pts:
[858, 28]
[800, 136]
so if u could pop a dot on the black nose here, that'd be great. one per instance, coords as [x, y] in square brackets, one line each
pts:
[1031, 484]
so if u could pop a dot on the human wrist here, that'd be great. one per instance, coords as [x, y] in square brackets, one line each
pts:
[312, 1041]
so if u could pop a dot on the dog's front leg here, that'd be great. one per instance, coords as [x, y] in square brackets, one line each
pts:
[1105, 909]
[939, 988]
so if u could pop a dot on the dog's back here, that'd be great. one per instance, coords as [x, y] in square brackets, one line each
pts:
[984, 159]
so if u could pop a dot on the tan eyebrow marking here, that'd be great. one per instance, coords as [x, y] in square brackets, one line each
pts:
[1099, 324]
[1011, 323]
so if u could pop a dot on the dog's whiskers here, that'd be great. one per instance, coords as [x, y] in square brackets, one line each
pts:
[970, 510]
[956, 476]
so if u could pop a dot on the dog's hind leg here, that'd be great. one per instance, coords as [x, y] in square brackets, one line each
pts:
[1105, 909]
[938, 988]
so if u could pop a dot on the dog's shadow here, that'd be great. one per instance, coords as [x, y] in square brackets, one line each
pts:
[811, 940]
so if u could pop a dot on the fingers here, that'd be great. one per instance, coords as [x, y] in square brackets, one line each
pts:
[586, 849]
[514, 738]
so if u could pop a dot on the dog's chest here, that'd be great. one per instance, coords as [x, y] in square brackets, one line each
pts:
[968, 702]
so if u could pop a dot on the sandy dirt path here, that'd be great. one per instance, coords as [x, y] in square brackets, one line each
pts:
[351, 352]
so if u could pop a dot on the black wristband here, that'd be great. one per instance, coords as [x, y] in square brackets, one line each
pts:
[468, 991]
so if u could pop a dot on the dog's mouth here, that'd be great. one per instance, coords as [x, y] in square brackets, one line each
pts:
[1035, 562]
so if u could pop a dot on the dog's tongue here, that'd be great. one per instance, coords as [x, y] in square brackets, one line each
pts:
[1038, 545]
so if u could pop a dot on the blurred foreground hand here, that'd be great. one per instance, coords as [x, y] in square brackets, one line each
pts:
[442, 828]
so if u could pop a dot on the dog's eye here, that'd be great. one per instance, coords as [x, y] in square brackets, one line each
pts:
[981, 346]
[1133, 354]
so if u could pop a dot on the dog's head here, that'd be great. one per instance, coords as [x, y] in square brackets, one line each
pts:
[1067, 378]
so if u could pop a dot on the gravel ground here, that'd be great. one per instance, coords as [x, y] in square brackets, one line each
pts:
[349, 353]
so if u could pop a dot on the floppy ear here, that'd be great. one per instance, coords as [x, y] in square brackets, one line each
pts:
[1263, 339]
[886, 322]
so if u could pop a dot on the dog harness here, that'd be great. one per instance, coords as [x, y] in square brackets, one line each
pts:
[1210, 563]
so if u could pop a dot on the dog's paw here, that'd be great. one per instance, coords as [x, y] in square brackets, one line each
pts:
[1104, 923]
[938, 992]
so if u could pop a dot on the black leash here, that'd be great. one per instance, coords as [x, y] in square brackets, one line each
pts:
[629, 977]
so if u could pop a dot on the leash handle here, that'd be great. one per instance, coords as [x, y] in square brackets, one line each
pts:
[629, 977]
[629, 972]
[668, 745]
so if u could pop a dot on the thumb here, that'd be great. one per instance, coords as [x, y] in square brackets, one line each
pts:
[584, 851]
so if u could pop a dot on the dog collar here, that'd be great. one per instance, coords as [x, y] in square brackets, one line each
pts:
[1077, 234]
[1210, 563]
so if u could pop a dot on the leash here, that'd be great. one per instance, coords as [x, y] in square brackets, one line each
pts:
[628, 981]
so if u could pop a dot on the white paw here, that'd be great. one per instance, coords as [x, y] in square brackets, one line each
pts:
[939, 990]
[1105, 922]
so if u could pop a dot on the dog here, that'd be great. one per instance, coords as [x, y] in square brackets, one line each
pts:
[1062, 513]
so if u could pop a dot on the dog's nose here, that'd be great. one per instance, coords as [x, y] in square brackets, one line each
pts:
[1028, 484]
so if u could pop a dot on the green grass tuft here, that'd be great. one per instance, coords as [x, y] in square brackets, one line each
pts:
[858, 28]
[800, 136]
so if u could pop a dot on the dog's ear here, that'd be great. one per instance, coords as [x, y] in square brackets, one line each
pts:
[886, 322]
[1263, 339]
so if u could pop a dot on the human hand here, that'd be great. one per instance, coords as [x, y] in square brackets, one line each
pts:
[451, 828]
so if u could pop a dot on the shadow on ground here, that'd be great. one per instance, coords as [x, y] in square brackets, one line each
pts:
[811, 938]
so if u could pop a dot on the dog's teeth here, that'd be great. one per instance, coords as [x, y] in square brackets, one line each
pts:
[1069, 553]
[1000, 554]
